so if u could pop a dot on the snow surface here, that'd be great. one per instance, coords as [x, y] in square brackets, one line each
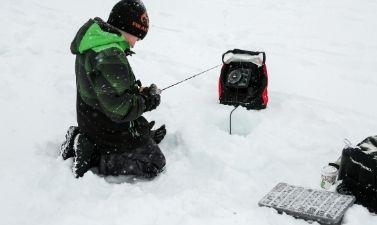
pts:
[322, 62]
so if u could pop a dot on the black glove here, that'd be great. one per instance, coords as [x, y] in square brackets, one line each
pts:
[151, 97]
[158, 134]
[138, 84]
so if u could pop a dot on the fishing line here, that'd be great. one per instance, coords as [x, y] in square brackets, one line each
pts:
[188, 78]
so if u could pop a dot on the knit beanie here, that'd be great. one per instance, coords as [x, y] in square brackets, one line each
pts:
[130, 16]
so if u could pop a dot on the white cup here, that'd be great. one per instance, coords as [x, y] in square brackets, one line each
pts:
[328, 176]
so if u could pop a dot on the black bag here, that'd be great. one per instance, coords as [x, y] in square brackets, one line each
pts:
[243, 79]
[358, 172]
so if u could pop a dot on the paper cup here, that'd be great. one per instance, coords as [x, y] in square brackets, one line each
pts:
[328, 176]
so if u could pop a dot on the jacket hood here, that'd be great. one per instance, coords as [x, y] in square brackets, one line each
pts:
[97, 35]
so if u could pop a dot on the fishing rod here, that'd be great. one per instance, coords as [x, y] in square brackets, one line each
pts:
[154, 90]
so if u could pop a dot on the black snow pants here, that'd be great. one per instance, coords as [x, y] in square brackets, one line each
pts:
[117, 151]
[146, 161]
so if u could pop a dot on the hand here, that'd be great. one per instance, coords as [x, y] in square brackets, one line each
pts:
[153, 89]
[151, 97]
[158, 134]
[138, 84]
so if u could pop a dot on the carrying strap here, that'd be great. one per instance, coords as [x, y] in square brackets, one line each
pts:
[369, 145]
[240, 51]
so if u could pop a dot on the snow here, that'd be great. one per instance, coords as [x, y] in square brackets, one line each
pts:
[322, 62]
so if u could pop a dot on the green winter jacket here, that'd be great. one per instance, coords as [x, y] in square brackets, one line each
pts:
[106, 85]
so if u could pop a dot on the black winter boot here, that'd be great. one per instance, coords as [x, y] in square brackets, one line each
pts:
[66, 150]
[83, 150]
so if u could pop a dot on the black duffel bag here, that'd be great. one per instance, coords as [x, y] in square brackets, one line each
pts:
[358, 172]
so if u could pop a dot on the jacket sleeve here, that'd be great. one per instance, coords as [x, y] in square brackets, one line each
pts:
[113, 83]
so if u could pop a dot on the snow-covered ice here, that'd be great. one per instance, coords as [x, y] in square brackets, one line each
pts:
[322, 62]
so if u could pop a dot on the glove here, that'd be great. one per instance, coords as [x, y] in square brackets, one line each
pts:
[138, 84]
[151, 97]
[158, 134]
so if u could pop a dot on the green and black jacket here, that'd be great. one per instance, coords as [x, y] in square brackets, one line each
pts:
[108, 102]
